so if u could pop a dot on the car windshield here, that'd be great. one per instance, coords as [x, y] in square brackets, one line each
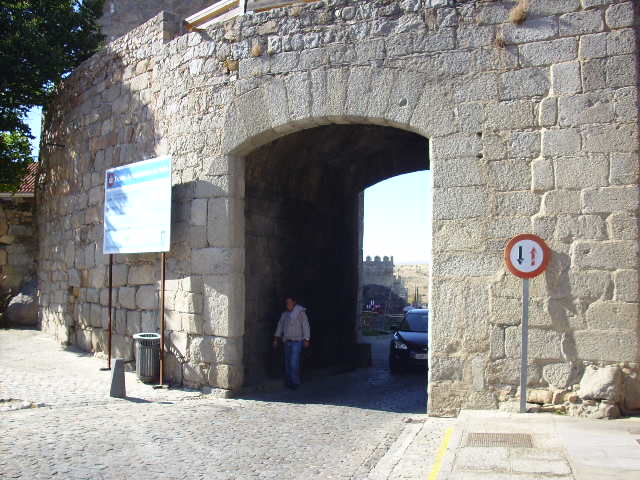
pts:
[415, 322]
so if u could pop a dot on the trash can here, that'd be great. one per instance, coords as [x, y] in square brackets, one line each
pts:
[147, 356]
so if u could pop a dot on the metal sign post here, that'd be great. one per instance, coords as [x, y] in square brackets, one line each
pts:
[524, 356]
[526, 256]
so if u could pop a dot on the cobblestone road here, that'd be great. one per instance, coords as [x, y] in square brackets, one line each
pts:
[335, 427]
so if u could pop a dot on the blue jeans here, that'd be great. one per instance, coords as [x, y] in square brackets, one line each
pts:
[292, 351]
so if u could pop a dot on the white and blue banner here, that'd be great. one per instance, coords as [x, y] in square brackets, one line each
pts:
[137, 207]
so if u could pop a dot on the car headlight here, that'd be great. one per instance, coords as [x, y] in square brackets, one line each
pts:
[399, 345]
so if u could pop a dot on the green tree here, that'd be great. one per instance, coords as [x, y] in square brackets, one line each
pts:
[41, 41]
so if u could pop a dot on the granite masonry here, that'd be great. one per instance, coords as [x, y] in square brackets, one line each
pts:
[277, 121]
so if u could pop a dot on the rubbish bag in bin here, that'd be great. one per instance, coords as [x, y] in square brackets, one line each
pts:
[147, 356]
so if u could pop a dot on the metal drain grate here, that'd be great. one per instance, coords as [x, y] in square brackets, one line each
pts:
[477, 439]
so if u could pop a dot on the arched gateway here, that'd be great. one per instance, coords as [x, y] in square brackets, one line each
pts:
[277, 121]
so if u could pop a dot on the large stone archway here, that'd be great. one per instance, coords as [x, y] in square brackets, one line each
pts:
[531, 128]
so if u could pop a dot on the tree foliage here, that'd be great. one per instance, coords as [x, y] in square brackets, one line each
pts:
[41, 41]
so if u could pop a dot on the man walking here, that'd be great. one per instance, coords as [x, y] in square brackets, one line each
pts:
[293, 329]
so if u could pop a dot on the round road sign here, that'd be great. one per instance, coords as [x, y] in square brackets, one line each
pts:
[527, 255]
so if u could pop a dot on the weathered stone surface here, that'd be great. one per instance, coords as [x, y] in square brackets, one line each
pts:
[543, 344]
[22, 310]
[147, 297]
[557, 375]
[606, 345]
[604, 383]
[539, 396]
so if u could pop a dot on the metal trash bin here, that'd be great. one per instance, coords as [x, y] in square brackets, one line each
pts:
[147, 356]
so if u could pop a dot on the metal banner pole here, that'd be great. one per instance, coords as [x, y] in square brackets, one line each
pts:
[110, 307]
[525, 345]
[162, 282]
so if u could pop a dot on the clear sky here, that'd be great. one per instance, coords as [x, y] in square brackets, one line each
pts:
[33, 120]
[397, 218]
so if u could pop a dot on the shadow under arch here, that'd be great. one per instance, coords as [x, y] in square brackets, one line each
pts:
[303, 215]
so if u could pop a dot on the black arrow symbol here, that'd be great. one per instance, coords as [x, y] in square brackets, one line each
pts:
[520, 257]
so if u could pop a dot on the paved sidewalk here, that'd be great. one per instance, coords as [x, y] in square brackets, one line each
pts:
[561, 448]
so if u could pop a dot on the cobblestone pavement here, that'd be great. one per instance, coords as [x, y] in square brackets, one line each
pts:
[334, 427]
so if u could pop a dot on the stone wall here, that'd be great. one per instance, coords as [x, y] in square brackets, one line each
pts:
[17, 243]
[531, 128]
[121, 16]
[415, 276]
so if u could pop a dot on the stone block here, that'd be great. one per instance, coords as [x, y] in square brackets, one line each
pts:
[187, 302]
[460, 172]
[623, 226]
[509, 115]
[454, 235]
[517, 203]
[481, 87]
[611, 138]
[215, 350]
[620, 42]
[561, 142]
[592, 284]
[119, 274]
[199, 212]
[524, 83]
[543, 344]
[127, 297]
[625, 103]
[581, 172]
[459, 202]
[534, 29]
[149, 321]
[496, 343]
[466, 264]
[539, 396]
[224, 306]
[507, 227]
[558, 375]
[147, 297]
[542, 177]
[553, 7]
[177, 345]
[581, 23]
[604, 383]
[548, 53]
[142, 274]
[96, 316]
[593, 46]
[225, 376]
[524, 144]
[610, 199]
[620, 15]
[507, 372]
[594, 74]
[605, 255]
[606, 345]
[626, 286]
[621, 71]
[219, 222]
[213, 260]
[133, 322]
[583, 109]
[566, 79]
[446, 368]
[510, 175]
[456, 146]
[506, 311]
[604, 315]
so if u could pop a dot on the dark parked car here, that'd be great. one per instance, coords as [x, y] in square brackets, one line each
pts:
[409, 344]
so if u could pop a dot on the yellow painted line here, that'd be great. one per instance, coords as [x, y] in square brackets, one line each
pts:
[440, 455]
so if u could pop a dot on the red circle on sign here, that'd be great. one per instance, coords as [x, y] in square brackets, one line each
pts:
[545, 257]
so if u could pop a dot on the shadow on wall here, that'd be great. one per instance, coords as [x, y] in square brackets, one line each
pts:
[103, 117]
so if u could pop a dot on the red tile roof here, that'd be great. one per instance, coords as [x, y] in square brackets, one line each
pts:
[28, 184]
